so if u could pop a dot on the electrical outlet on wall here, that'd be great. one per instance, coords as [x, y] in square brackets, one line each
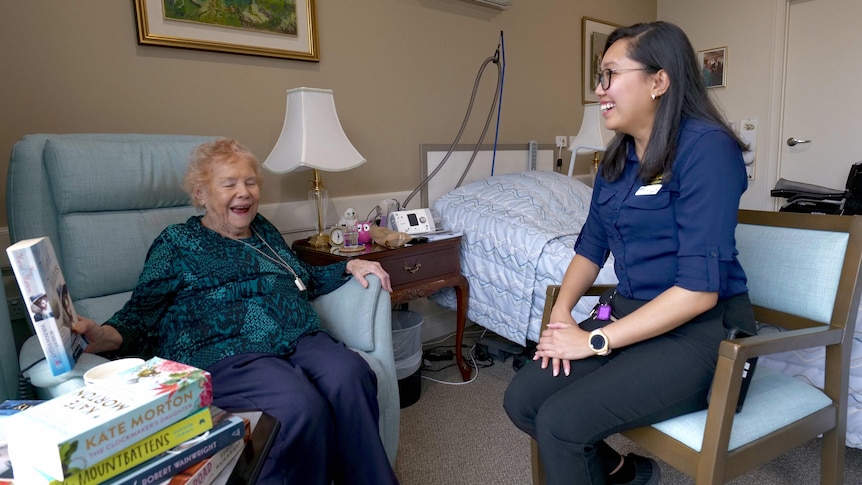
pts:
[16, 308]
[561, 141]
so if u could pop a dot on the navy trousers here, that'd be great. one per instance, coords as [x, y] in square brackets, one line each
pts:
[325, 397]
[645, 383]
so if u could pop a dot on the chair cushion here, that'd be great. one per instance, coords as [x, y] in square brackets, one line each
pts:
[88, 176]
[113, 198]
[774, 400]
[102, 308]
[121, 237]
[817, 268]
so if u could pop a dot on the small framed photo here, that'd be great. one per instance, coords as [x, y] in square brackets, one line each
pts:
[594, 35]
[713, 62]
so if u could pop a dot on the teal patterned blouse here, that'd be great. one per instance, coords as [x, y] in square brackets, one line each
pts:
[202, 297]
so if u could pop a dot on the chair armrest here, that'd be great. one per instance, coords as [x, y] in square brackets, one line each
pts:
[598, 290]
[727, 381]
[755, 346]
[349, 313]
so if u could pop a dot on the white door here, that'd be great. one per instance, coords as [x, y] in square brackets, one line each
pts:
[823, 92]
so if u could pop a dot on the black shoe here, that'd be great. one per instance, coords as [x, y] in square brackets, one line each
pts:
[647, 471]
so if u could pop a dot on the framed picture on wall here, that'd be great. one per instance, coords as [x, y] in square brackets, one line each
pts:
[262, 28]
[713, 62]
[594, 34]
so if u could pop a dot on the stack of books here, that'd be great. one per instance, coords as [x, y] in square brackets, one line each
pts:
[151, 424]
[8, 408]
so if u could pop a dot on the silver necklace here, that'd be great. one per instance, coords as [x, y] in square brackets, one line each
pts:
[278, 260]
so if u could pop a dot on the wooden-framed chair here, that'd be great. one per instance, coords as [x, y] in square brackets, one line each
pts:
[803, 276]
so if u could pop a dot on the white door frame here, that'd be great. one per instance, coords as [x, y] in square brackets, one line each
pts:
[781, 22]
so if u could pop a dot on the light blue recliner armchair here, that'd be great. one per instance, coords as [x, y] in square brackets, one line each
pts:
[102, 199]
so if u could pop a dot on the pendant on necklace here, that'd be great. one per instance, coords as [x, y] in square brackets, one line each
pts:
[299, 284]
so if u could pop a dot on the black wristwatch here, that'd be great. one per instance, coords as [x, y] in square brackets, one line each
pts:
[599, 342]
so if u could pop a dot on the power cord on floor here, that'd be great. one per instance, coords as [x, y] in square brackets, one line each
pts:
[480, 333]
[473, 378]
[472, 359]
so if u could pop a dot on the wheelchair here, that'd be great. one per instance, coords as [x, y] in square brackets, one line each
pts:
[815, 199]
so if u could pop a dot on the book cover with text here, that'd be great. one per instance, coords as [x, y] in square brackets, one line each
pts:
[205, 472]
[77, 430]
[227, 429]
[48, 303]
[141, 451]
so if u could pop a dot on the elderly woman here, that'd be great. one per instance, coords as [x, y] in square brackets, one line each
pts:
[223, 292]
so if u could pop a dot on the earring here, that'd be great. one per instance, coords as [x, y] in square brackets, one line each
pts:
[653, 96]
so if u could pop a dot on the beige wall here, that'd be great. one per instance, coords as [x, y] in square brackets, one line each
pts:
[753, 34]
[401, 70]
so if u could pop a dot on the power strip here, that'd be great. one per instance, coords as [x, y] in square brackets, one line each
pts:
[533, 155]
[438, 355]
[498, 348]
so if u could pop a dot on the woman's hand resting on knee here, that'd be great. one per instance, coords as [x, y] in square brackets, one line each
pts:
[561, 343]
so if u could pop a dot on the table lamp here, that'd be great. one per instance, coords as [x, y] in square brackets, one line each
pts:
[593, 137]
[312, 138]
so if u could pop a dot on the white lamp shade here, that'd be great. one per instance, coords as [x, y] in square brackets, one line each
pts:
[312, 136]
[592, 137]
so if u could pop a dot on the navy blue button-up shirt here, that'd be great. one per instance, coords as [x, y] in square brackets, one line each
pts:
[675, 232]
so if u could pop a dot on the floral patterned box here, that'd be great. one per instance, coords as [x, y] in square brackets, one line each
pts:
[76, 430]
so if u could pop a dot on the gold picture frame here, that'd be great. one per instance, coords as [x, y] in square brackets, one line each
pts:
[594, 34]
[155, 29]
[713, 62]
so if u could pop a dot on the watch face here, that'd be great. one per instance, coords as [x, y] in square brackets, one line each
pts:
[597, 342]
[336, 236]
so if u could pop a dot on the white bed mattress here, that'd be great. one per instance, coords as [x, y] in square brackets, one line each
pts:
[518, 233]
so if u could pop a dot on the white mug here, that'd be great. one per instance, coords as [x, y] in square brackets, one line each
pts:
[107, 372]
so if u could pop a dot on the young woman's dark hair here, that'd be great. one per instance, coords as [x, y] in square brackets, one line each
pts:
[663, 46]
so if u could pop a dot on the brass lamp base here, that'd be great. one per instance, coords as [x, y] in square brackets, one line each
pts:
[320, 198]
[319, 240]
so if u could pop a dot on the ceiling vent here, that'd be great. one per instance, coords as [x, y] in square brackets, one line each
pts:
[501, 4]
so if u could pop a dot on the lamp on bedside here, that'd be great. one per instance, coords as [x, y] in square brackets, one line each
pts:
[593, 137]
[312, 138]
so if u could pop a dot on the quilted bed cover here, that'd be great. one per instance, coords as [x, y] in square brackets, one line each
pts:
[519, 231]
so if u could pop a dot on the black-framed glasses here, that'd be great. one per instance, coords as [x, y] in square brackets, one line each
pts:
[605, 76]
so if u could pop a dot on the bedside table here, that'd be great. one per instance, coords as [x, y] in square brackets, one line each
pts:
[415, 271]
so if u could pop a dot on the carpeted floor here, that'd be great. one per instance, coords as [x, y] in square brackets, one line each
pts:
[458, 433]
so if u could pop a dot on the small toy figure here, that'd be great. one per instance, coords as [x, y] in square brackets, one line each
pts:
[364, 230]
[348, 218]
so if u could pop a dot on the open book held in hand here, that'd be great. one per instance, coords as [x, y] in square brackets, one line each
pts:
[48, 302]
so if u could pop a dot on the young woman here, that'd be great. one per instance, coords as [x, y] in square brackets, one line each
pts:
[665, 204]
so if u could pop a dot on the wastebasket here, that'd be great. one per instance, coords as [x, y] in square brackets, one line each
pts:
[407, 347]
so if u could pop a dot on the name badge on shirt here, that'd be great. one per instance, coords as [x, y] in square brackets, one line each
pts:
[648, 189]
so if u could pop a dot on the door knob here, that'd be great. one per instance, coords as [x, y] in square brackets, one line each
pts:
[792, 142]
